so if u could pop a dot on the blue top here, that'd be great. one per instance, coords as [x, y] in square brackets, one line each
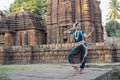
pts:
[78, 35]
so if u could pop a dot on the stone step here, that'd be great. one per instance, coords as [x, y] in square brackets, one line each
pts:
[114, 66]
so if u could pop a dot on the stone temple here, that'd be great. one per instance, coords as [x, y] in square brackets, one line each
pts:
[22, 28]
[26, 38]
[25, 28]
[62, 14]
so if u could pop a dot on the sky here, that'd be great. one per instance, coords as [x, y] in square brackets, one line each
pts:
[104, 8]
[4, 4]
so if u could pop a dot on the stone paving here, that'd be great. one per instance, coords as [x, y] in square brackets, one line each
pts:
[59, 72]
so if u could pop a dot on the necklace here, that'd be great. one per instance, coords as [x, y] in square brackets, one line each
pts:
[76, 35]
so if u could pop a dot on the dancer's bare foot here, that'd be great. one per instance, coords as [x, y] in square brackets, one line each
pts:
[75, 73]
[76, 69]
[81, 71]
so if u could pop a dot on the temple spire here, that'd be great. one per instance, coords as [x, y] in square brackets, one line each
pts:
[61, 15]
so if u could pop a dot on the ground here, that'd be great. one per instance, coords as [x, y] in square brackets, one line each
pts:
[51, 72]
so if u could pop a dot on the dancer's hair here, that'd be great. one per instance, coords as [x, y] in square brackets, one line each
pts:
[75, 24]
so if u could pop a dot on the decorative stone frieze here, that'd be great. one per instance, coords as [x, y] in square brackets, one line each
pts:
[97, 53]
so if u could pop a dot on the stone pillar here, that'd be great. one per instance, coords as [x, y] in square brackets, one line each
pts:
[61, 19]
[77, 9]
[86, 19]
[18, 39]
[23, 38]
[68, 20]
[32, 37]
[49, 21]
[98, 23]
[54, 16]
[58, 38]
[48, 34]
[9, 39]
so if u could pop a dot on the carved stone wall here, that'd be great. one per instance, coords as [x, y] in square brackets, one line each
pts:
[21, 29]
[61, 14]
[6, 31]
[98, 53]
[30, 37]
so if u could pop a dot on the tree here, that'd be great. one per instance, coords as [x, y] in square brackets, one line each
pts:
[110, 31]
[34, 6]
[114, 10]
[114, 7]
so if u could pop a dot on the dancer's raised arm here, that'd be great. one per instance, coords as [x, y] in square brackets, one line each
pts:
[68, 31]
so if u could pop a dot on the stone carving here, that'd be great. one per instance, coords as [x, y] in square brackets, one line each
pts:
[23, 35]
[62, 13]
[56, 53]
[22, 28]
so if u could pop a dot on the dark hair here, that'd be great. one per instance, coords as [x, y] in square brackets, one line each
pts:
[76, 24]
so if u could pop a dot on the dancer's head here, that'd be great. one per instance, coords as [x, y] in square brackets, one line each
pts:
[77, 25]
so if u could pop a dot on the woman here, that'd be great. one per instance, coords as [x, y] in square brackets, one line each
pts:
[79, 53]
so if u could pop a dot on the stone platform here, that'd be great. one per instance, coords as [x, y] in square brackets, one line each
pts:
[59, 72]
[114, 66]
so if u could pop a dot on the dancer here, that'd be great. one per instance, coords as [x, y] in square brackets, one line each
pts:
[79, 52]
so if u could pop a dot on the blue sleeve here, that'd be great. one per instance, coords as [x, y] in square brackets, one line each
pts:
[72, 31]
[83, 32]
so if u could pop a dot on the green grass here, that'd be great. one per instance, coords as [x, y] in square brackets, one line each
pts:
[115, 76]
[4, 78]
[13, 68]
